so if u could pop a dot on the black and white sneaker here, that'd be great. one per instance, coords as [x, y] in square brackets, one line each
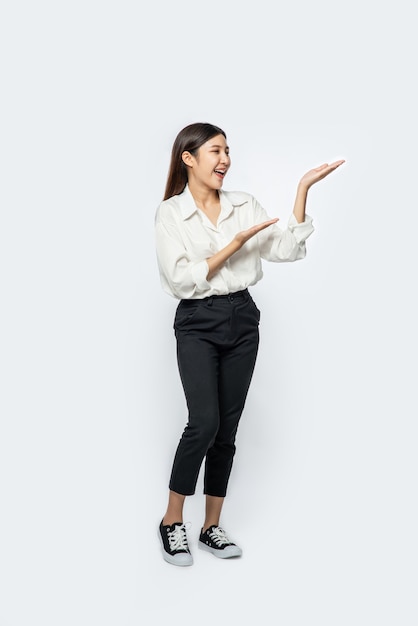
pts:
[174, 544]
[216, 541]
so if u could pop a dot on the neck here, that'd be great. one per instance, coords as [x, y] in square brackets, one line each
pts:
[203, 195]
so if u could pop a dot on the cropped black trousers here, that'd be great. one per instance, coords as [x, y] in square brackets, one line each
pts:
[217, 344]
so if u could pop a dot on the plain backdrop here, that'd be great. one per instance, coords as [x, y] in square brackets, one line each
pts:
[323, 494]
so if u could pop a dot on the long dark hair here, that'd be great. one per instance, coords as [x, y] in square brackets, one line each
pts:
[189, 139]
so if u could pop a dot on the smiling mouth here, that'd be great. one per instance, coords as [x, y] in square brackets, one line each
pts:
[220, 172]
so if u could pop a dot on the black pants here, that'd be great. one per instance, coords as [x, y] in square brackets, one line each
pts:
[217, 343]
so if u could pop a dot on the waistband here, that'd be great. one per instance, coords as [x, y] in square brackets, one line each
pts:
[230, 297]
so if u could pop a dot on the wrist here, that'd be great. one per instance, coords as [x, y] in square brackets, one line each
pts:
[303, 187]
[236, 245]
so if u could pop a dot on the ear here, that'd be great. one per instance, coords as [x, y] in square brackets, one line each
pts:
[187, 158]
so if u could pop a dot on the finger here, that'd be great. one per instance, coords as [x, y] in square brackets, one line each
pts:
[330, 167]
[334, 166]
[266, 224]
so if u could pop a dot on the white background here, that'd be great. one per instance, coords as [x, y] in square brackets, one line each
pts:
[324, 487]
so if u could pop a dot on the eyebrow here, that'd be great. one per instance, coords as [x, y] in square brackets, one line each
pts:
[215, 145]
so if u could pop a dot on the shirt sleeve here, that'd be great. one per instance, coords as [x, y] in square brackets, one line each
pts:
[180, 276]
[279, 244]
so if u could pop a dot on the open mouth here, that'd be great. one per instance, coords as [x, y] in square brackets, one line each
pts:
[220, 173]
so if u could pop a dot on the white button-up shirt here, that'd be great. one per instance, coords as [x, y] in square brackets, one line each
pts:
[185, 238]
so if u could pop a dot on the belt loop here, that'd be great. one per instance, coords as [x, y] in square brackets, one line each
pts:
[210, 300]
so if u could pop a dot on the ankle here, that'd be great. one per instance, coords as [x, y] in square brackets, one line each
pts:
[169, 520]
[207, 525]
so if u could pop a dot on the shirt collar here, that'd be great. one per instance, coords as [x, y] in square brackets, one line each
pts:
[188, 206]
[187, 203]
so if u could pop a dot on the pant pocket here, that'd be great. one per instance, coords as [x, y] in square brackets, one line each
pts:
[185, 313]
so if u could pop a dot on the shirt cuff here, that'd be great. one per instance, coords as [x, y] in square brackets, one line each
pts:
[199, 274]
[302, 230]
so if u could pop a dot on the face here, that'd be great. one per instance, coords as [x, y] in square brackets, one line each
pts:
[209, 167]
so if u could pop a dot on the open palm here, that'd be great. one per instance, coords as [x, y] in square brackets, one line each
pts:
[245, 235]
[320, 172]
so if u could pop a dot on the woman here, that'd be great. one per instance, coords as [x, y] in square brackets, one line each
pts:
[210, 244]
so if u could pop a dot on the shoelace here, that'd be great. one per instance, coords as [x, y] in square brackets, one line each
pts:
[219, 536]
[177, 538]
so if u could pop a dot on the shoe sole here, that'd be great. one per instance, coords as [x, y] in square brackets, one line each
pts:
[174, 560]
[230, 552]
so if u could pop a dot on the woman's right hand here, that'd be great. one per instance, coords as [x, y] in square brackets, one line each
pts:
[218, 259]
[245, 235]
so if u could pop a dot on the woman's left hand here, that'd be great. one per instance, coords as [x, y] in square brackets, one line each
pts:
[318, 173]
